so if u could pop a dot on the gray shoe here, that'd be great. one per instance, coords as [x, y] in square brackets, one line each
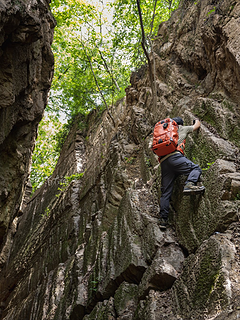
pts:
[191, 189]
[163, 223]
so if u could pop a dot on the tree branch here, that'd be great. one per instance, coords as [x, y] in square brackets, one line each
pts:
[107, 69]
[104, 60]
[151, 75]
[96, 81]
[144, 41]
[65, 71]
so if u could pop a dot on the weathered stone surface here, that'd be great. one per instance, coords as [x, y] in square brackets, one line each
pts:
[164, 270]
[126, 300]
[94, 250]
[198, 217]
[158, 305]
[103, 310]
[26, 69]
[206, 285]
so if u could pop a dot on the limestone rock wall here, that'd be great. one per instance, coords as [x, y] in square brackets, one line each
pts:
[26, 68]
[92, 248]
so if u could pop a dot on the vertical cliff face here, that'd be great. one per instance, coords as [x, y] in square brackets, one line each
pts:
[26, 68]
[93, 249]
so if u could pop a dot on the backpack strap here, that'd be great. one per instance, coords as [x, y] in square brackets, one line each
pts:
[181, 147]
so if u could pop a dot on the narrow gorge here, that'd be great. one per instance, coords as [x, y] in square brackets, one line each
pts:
[91, 248]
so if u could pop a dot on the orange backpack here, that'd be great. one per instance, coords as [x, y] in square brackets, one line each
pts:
[165, 138]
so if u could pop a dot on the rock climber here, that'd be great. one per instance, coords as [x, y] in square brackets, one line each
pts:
[175, 164]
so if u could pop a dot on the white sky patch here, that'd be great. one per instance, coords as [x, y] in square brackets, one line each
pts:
[104, 7]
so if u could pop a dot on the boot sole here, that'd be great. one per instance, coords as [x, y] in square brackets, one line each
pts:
[193, 192]
[163, 227]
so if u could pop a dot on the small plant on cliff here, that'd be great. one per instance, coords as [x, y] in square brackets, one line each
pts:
[94, 284]
[46, 212]
[130, 160]
[68, 180]
[237, 196]
[211, 11]
[208, 165]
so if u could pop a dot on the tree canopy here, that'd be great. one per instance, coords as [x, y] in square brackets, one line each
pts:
[96, 47]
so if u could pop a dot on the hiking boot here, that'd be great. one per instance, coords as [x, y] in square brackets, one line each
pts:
[163, 223]
[190, 188]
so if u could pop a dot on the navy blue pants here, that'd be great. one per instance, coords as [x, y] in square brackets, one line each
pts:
[171, 168]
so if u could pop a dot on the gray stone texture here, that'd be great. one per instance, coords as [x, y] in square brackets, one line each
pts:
[94, 249]
[26, 69]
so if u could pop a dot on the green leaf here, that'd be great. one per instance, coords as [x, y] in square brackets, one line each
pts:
[114, 47]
